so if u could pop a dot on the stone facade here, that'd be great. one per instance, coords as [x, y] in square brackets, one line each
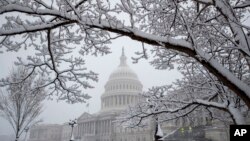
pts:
[101, 127]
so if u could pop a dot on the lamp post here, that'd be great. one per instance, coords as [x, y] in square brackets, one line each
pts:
[72, 123]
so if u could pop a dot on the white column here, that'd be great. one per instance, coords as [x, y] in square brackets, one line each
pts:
[97, 127]
[124, 99]
[87, 128]
[102, 126]
[111, 100]
[77, 131]
[108, 101]
[116, 101]
[82, 129]
[102, 103]
[106, 127]
[94, 127]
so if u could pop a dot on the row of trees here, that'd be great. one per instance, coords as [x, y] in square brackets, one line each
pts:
[208, 38]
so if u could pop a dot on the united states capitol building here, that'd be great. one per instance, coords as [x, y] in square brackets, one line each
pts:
[121, 90]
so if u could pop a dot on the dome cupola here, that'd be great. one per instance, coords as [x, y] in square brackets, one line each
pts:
[123, 59]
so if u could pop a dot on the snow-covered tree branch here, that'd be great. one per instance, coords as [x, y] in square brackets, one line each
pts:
[214, 33]
[198, 93]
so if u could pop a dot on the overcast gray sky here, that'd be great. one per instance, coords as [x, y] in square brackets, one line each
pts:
[60, 112]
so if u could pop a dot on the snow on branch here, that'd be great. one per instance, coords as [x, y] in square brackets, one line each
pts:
[34, 28]
[198, 95]
[211, 33]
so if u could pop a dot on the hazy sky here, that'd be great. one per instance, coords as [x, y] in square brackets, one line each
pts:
[60, 112]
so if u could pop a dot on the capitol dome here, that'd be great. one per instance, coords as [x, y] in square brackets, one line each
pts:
[122, 88]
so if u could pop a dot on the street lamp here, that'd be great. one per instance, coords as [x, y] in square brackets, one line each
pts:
[72, 123]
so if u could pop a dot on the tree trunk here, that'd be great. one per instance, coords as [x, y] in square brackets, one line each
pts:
[17, 134]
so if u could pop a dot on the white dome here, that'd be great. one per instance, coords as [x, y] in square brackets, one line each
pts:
[123, 72]
[122, 88]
